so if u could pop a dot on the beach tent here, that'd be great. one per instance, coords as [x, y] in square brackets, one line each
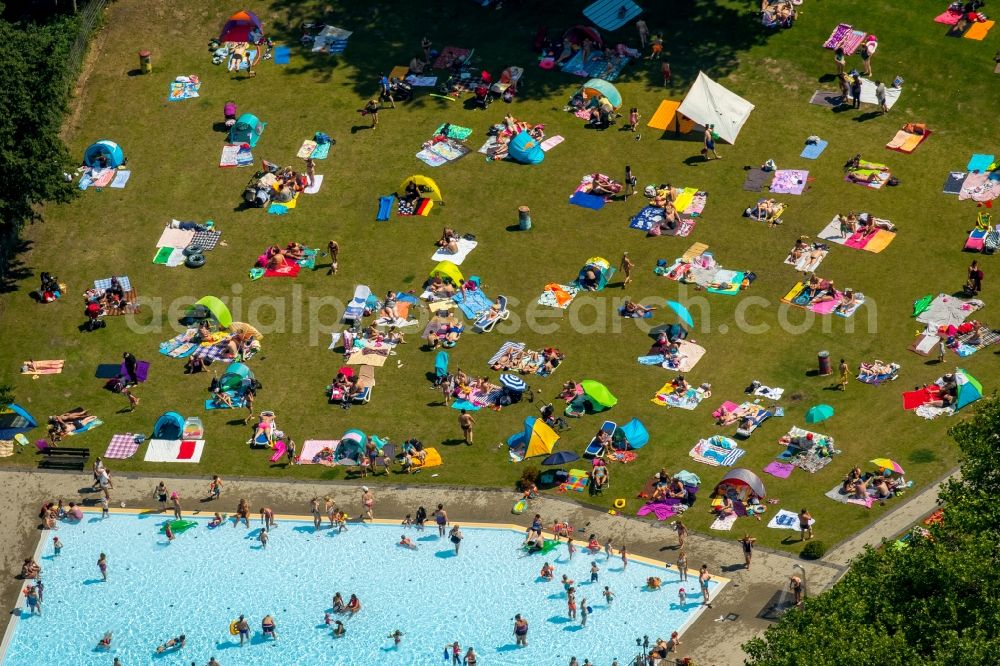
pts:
[740, 478]
[525, 149]
[537, 438]
[211, 307]
[578, 33]
[109, 149]
[237, 378]
[601, 268]
[708, 103]
[448, 271]
[240, 26]
[632, 435]
[596, 398]
[15, 419]
[351, 448]
[169, 426]
[247, 129]
[427, 187]
[612, 14]
[969, 388]
[594, 89]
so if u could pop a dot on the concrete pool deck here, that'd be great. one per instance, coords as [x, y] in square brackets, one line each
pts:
[711, 639]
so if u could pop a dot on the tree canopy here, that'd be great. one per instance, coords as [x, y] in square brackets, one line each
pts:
[934, 602]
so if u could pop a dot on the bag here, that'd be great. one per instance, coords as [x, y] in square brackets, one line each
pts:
[892, 182]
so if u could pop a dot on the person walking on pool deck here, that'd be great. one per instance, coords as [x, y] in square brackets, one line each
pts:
[368, 501]
[466, 421]
[682, 532]
[747, 542]
[215, 487]
[520, 631]
[710, 143]
[441, 518]
[175, 499]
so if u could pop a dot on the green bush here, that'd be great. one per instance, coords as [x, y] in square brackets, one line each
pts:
[528, 476]
[814, 550]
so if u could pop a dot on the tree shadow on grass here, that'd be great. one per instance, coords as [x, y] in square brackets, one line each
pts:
[16, 270]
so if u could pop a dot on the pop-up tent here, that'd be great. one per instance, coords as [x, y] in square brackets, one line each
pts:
[578, 33]
[537, 439]
[632, 435]
[596, 398]
[601, 268]
[743, 481]
[169, 426]
[247, 129]
[15, 419]
[448, 271]
[109, 150]
[594, 89]
[210, 307]
[351, 448]
[237, 378]
[709, 103]
[240, 26]
[427, 187]
[969, 388]
[525, 149]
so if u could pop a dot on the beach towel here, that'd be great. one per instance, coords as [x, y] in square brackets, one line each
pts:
[828, 99]
[551, 142]
[317, 183]
[946, 310]
[307, 149]
[450, 150]
[211, 404]
[906, 142]
[236, 155]
[612, 14]
[121, 447]
[757, 180]
[42, 367]
[169, 257]
[585, 200]
[288, 270]
[332, 40]
[978, 30]
[174, 450]
[667, 397]
[733, 278]
[311, 448]
[86, 426]
[979, 162]
[321, 151]
[874, 241]
[869, 174]
[422, 81]
[789, 181]
[282, 208]
[868, 95]
[465, 246]
[779, 469]
[647, 218]
[659, 508]
[180, 90]
[430, 158]
[724, 524]
[472, 303]
[558, 295]
[845, 37]
[807, 263]
[175, 238]
[980, 187]
[787, 520]
[120, 179]
[814, 150]
[282, 54]
[577, 481]
[954, 183]
[948, 17]
[454, 131]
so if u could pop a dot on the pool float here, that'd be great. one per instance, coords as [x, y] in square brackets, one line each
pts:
[620, 503]
[178, 526]
[547, 63]
[760, 508]
[210, 526]
[234, 627]
[547, 547]
[519, 506]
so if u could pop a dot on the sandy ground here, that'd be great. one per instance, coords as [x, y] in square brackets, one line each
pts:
[712, 639]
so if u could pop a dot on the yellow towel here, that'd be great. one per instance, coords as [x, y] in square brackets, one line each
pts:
[793, 292]
[880, 241]
[979, 30]
[685, 198]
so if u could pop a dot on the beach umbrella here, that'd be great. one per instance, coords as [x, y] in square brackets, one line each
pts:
[560, 458]
[819, 413]
[513, 382]
[681, 312]
[887, 463]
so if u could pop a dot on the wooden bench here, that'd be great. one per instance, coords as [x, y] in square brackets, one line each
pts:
[55, 457]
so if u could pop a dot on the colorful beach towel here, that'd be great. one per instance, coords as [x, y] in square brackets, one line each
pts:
[789, 181]
[121, 447]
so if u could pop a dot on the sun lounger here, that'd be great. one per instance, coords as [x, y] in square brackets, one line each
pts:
[356, 308]
[595, 447]
[488, 319]
[366, 383]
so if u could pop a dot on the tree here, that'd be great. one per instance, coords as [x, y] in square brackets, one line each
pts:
[934, 602]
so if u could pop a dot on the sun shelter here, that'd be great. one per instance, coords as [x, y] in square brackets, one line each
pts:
[594, 89]
[537, 439]
[15, 419]
[426, 186]
[237, 378]
[243, 26]
[969, 389]
[601, 268]
[351, 448]
[448, 271]
[104, 153]
[525, 149]
[596, 398]
[247, 129]
[578, 33]
[632, 435]
[169, 426]
[666, 118]
[743, 482]
[709, 103]
[211, 307]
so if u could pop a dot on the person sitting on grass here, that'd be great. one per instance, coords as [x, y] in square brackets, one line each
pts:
[448, 241]
[847, 301]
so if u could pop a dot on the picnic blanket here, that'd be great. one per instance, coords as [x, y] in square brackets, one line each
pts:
[307, 149]
[331, 40]
[868, 95]
[845, 37]
[869, 174]
[779, 469]
[906, 142]
[558, 295]
[796, 296]
[180, 90]
[688, 355]
[724, 524]
[875, 240]
[121, 447]
[946, 310]
[668, 397]
[236, 155]
[421, 81]
[120, 179]
[449, 56]
[813, 150]
[174, 450]
[175, 238]
[955, 181]
[757, 180]
[597, 65]
[789, 181]
[430, 158]
[980, 187]
[311, 453]
[717, 451]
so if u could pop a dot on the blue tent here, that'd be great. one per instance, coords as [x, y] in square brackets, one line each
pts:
[237, 378]
[247, 129]
[594, 89]
[351, 448]
[632, 435]
[169, 426]
[111, 151]
[525, 149]
[15, 419]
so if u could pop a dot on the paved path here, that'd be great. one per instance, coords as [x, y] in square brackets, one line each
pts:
[710, 640]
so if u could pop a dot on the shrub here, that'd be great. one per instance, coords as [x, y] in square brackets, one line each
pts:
[528, 476]
[814, 550]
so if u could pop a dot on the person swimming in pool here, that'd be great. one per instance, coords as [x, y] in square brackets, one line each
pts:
[105, 642]
[339, 629]
[354, 605]
[338, 603]
[172, 644]
[407, 542]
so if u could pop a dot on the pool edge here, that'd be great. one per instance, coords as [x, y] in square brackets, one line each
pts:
[20, 603]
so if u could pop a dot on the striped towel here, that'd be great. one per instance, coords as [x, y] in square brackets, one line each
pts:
[506, 347]
[122, 446]
[105, 283]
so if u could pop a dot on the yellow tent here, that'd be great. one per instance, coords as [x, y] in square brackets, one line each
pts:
[448, 270]
[537, 439]
[428, 188]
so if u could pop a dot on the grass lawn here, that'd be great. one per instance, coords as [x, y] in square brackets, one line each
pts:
[173, 152]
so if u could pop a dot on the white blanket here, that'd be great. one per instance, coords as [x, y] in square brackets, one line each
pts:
[787, 520]
[868, 93]
[464, 248]
[167, 450]
[317, 183]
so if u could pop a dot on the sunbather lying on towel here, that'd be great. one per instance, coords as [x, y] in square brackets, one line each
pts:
[765, 210]
[448, 241]
[570, 391]
[440, 290]
[868, 223]
[67, 423]
[780, 13]
[446, 333]
[818, 290]
[630, 309]
[725, 416]
[601, 185]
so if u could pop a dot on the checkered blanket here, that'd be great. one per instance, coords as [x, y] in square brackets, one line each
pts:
[105, 283]
[122, 446]
[216, 352]
[206, 239]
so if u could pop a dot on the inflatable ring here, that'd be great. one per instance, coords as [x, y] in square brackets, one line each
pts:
[760, 508]
[620, 503]
[193, 249]
[547, 63]
[233, 627]
[195, 261]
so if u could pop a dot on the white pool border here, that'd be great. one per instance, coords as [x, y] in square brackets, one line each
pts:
[21, 602]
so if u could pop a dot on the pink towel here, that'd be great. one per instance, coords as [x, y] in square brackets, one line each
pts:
[827, 307]
[779, 469]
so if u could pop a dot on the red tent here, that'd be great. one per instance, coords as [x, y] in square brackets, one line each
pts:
[239, 26]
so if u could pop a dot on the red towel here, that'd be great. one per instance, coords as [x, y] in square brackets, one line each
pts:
[288, 270]
[186, 452]
[913, 399]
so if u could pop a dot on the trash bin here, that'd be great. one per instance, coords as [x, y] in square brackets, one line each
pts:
[824, 363]
[524, 218]
[145, 62]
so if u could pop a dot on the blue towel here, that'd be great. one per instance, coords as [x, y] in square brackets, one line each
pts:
[814, 150]
[612, 14]
[404, 297]
[475, 303]
[322, 151]
[980, 162]
[647, 218]
[385, 207]
[277, 209]
[466, 405]
[585, 200]
[281, 55]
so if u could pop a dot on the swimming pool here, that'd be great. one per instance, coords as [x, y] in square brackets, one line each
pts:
[205, 578]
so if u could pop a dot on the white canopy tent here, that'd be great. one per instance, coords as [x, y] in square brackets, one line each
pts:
[708, 103]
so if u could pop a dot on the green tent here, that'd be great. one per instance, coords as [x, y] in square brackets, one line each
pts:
[596, 398]
[210, 306]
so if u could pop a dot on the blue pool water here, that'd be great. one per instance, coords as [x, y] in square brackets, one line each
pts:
[203, 580]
